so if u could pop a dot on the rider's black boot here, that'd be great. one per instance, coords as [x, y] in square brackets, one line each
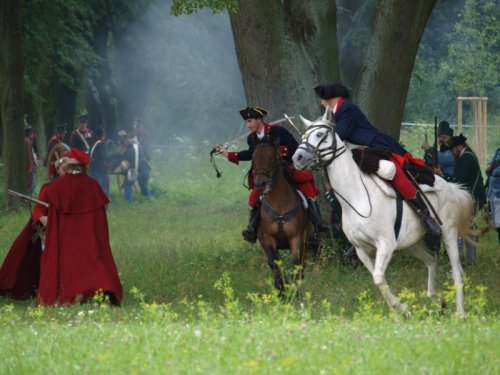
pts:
[250, 234]
[314, 214]
[430, 223]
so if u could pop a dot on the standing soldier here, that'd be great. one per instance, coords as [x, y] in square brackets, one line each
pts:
[99, 161]
[32, 160]
[467, 173]
[81, 138]
[56, 149]
[135, 166]
[445, 158]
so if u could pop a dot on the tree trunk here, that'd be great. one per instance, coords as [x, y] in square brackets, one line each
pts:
[384, 77]
[284, 49]
[65, 106]
[103, 81]
[11, 83]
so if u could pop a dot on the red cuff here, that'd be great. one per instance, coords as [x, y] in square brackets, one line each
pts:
[232, 156]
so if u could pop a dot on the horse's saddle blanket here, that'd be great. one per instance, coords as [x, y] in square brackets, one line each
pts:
[387, 188]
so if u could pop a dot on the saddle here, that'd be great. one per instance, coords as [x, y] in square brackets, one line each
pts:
[368, 161]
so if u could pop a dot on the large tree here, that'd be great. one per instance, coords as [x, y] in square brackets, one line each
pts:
[384, 78]
[286, 47]
[11, 86]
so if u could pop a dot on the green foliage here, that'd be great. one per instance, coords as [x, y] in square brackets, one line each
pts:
[180, 7]
[57, 35]
[473, 58]
[458, 56]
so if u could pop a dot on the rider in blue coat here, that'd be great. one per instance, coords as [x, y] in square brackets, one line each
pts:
[351, 125]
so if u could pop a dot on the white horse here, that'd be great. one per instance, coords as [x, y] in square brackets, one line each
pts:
[369, 212]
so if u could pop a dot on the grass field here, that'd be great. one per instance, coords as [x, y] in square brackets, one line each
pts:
[198, 299]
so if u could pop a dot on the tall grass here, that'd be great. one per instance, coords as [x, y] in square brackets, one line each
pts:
[198, 299]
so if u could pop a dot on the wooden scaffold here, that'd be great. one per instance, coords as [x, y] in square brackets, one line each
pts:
[479, 121]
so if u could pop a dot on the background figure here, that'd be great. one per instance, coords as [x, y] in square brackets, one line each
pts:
[99, 160]
[56, 149]
[468, 174]
[77, 262]
[57, 138]
[82, 137]
[493, 189]
[445, 158]
[32, 160]
[136, 167]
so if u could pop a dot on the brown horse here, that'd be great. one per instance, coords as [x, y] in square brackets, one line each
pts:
[283, 222]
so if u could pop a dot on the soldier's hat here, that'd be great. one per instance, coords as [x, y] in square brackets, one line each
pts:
[83, 119]
[61, 128]
[458, 140]
[99, 131]
[334, 90]
[444, 129]
[252, 112]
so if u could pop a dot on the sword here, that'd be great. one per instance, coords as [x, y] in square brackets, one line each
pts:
[299, 133]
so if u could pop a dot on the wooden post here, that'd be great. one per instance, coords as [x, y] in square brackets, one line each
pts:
[459, 115]
[480, 124]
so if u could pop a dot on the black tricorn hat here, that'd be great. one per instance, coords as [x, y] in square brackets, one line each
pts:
[61, 128]
[444, 129]
[252, 112]
[333, 90]
[458, 140]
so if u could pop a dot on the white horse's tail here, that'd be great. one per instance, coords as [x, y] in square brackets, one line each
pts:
[464, 210]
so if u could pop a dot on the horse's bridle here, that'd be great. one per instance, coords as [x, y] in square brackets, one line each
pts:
[269, 175]
[321, 157]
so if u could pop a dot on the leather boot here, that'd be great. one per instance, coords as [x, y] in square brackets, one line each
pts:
[250, 234]
[430, 223]
[314, 214]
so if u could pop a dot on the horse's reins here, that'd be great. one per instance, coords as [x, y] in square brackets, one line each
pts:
[320, 161]
[212, 161]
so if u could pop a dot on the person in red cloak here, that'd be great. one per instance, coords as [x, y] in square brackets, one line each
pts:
[76, 263]
[20, 271]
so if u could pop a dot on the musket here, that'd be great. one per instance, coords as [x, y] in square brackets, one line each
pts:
[39, 228]
[27, 198]
[435, 150]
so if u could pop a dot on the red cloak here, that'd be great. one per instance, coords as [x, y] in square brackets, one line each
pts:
[77, 261]
[20, 270]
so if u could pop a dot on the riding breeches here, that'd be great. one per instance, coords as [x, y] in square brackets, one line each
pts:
[402, 184]
[304, 179]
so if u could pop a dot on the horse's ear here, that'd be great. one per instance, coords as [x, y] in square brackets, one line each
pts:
[327, 115]
[305, 121]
